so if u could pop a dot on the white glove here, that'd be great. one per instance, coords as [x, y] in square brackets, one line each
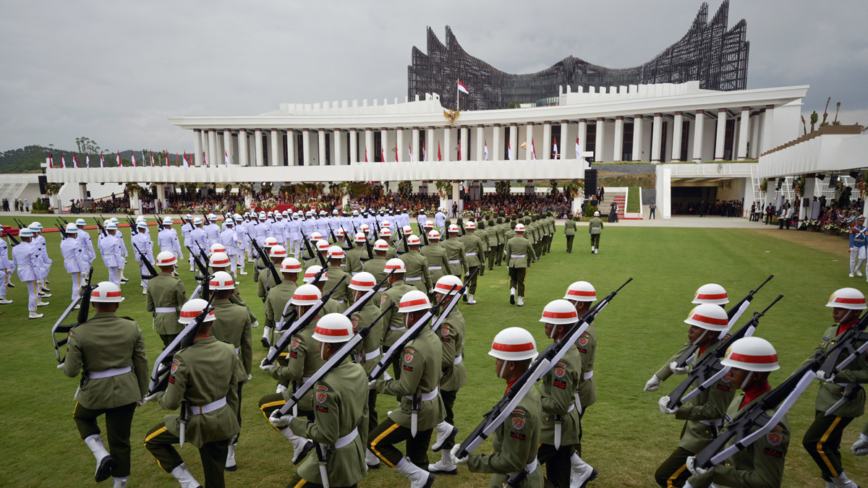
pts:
[851, 249]
[673, 366]
[372, 384]
[149, 398]
[249, 377]
[60, 366]
[266, 367]
[255, 324]
[653, 383]
[860, 447]
[691, 466]
[278, 420]
[821, 375]
[142, 402]
[386, 376]
[454, 453]
[663, 406]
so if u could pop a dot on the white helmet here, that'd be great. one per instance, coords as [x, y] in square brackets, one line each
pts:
[192, 309]
[315, 236]
[453, 229]
[166, 258]
[221, 281]
[306, 295]
[219, 260]
[470, 225]
[80, 222]
[395, 265]
[290, 265]
[25, 232]
[106, 292]
[446, 283]
[360, 237]
[386, 231]
[581, 291]
[362, 281]
[217, 247]
[108, 226]
[407, 230]
[752, 354]
[381, 245]
[71, 228]
[277, 252]
[336, 252]
[413, 240]
[322, 246]
[334, 327]
[709, 317]
[596, 214]
[141, 224]
[513, 344]
[711, 293]
[311, 272]
[197, 221]
[434, 235]
[270, 242]
[519, 228]
[559, 312]
[167, 221]
[386, 223]
[849, 298]
[413, 301]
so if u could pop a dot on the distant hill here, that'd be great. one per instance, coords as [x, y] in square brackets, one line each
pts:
[28, 159]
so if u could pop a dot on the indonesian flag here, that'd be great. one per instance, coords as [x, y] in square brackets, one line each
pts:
[578, 149]
[133, 155]
[186, 164]
[152, 158]
[459, 150]
[167, 159]
[62, 161]
[556, 148]
[48, 161]
[87, 161]
[439, 155]
[74, 161]
[410, 150]
[485, 148]
[509, 149]
[383, 154]
[424, 154]
[101, 160]
[226, 158]
[119, 159]
[396, 153]
[462, 88]
[366, 155]
[533, 149]
[204, 158]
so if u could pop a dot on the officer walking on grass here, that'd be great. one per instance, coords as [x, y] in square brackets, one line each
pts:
[858, 245]
[26, 260]
[474, 257]
[595, 228]
[165, 297]
[113, 351]
[519, 255]
[570, 233]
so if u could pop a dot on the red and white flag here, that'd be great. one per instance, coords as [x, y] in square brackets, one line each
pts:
[74, 161]
[485, 149]
[424, 154]
[396, 153]
[87, 161]
[439, 155]
[167, 159]
[366, 155]
[186, 164]
[383, 154]
[62, 161]
[119, 159]
[49, 161]
[152, 158]
[509, 149]
[462, 88]
[204, 158]
[133, 155]
[178, 159]
[226, 158]
[556, 148]
[410, 151]
[533, 149]
[101, 160]
[459, 150]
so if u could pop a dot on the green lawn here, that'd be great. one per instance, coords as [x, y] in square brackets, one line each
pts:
[626, 436]
[633, 204]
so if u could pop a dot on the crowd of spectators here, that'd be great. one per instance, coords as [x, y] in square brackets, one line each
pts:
[722, 208]
[558, 204]
[842, 213]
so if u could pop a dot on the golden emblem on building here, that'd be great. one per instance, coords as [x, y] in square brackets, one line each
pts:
[451, 116]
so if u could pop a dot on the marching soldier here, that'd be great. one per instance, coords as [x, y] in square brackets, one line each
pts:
[265, 281]
[377, 265]
[438, 261]
[331, 305]
[595, 228]
[86, 243]
[761, 463]
[570, 233]
[386, 235]
[168, 238]
[109, 248]
[416, 264]
[394, 325]
[198, 241]
[516, 441]
[452, 335]
[486, 236]
[232, 324]
[230, 240]
[122, 249]
[6, 268]
[279, 297]
[418, 385]
[519, 256]
[475, 257]
[501, 239]
[335, 274]
[704, 414]
[26, 260]
[204, 379]
[354, 255]
[322, 248]
[212, 231]
[220, 261]
[142, 244]
[823, 438]
[551, 231]
[74, 259]
[42, 255]
[455, 252]
[340, 413]
[186, 229]
[166, 298]
[113, 351]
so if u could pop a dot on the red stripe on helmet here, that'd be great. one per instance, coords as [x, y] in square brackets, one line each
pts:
[580, 293]
[709, 320]
[528, 346]
[716, 296]
[362, 283]
[219, 261]
[561, 315]
[305, 297]
[410, 303]
[849, 300]
[772, 358]
[193, 314]
[108, 294]
[332, 332]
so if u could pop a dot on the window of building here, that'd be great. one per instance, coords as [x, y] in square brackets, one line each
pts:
[591, 138]
[627, 144]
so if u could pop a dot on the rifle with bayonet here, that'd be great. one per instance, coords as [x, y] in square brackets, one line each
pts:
[312, 254]
[83, 301]
[708, 370]
[267, 261]
[734, 313]
[12, 240]
[101, 228]
[19, 223]
[147, 263]
[845, 351]
[288, 316]
[63, 234]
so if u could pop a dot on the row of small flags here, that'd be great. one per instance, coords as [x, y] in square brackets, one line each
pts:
[163, 159]
[440, 155]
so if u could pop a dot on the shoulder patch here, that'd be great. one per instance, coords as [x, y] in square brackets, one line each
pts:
[774, 438]
[518, 423]
[383, 299]
[560, 370]
[408, 356]
[444, 331]
[583, 341]
[321, 394]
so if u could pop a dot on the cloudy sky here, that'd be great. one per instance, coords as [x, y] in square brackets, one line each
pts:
[114, 71]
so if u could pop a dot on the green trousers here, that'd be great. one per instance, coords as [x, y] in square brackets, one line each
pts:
[499, 253]
[549, 243]
[472, 288]
[117, 423]
[299, 482]
[516, 279]
[159, 442]
[595, 241]
[490, 257]
[448, 402]
[167, 339]
[823, 442]
[570, 243]
[673, 472]
[274, 401]
[383, 439]
[557, 463]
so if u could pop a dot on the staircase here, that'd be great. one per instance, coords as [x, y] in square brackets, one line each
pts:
[11, 186]
[617, 195]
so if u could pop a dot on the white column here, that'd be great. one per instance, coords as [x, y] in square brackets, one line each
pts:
[291, 158]
[464, 134]
[243, 152]
[369, 146]
[219, 157]
[322, 160]
[354, 146]
[755, 138]
[212, 146]
[528, 137]
[562, 145]
[257, 146]
[619, 139]
[768, 123]
[384, 144]
[697, 136]
[204, 151]
[417, 154]
[637, 137]
[743, 130]
[547, 141]
[399, 142]
[305, 146]
[227, 146]
[273, 155]
[431, 144]
[480, 142]
[338, 136]
[197, 147]
[583, 134]
[513, 140]
[676, 137]
[447, 143]
[721, 134]
[598, 147]
[494, 152]
[656, 134]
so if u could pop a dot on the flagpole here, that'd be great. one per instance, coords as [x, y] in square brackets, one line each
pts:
[457, 97]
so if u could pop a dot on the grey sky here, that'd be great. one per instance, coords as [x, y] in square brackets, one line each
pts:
[114, 71]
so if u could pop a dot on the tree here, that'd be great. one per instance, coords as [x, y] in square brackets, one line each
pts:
[814, 118]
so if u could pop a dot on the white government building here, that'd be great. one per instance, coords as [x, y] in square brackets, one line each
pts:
[672, 125]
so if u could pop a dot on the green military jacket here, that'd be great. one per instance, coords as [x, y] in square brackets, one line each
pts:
[237, 300]
[265, 282]
[417, 274]
[519, 252]
[232, 324]
[558, 398]
[452, 335]
[392, 252]
[595, 226]
[393, 322]
[420, 375]
[164, 292]
[354, 259]
[438, 262]
[552, 225]
[515, 443]
[106, 342]
[501, 234]
[855, 372]
[377, 267]
[343, 295]
[665, 372]
[340, 411]
[275, 303]
[484, 236]
[455, 253]
[587, 346]
[704, 413]
[302, 362]
[203, 373]
[368, 351]
[570, 227]
[759, 464]
[474, 250]
[315, 261]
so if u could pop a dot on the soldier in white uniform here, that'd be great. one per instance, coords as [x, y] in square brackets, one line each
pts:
[263, 231]
[26, 260]
[167, 239]
[74, 258]
[109, 248]
[38, 242]
[86, 243]
[440, 220]
[122, 247]
[212, 231]
[421, 219]
[294, 226]
[6, 268]
[278, 230]
[142, 243]
[241, 241]
[229, 239]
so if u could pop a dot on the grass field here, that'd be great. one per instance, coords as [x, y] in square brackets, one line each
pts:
[626, 436]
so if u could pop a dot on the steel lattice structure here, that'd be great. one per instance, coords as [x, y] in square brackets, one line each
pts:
[710, 53]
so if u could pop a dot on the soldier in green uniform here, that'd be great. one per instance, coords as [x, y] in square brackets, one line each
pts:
[336, 273]
[276, 303]
[386, 236]
[438, 261]
[332, 305]
[595, 228]
[482, 234]
[204, 380]
[232, 324]
[377, 265]
[860, 447]
[220, 261]
[475, 257]
[416, 265]
[419, 384]
[704, 414]
[340, 413]
[452, 335]
[113, 351]
[165, 297]
[501, 229]
[519, 255]
[552, 230]
[570, 233]
[823, 438]
[761, 463]
[558, 390]
[516, 441]
[455, 253]
[393, 322]
[354, 256]
[322, 249]
[264, 279]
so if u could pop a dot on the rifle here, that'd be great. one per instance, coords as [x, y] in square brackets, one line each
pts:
[298, 325]
[267, 261]
[312, 254]
[64, 220]
[424, 236]
[144, 259]
[101, 229]
[289, 316]
[846, 345]
[709, 370]
[734, 314]
[540, 366]
[84, 300]
[63, 233]
[13, 240]
[19, 223]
